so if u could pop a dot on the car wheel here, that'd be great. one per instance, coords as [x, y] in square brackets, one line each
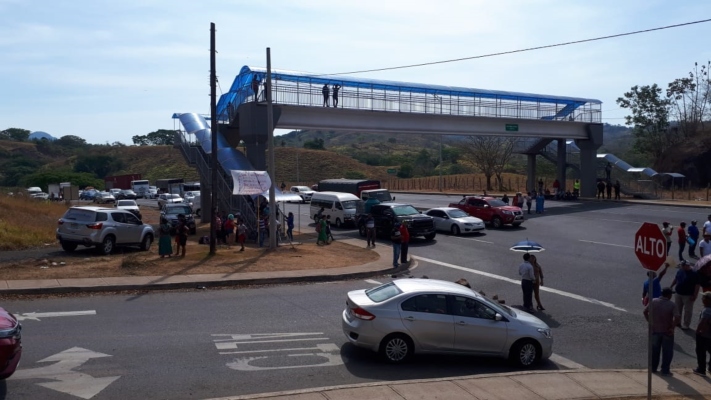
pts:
[430, 236]
[68, 247]
[455, 230]
[361, 230]
[107, 245]
[396, 348]
[146, 243]
[525, 353]
[496, 222]
[338, 223]
[197, 212]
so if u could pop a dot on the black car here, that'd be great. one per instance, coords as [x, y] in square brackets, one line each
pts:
[387, 214]
[171, 212]
[127, 194]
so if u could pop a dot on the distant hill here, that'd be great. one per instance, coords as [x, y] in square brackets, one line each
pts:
[39, 135]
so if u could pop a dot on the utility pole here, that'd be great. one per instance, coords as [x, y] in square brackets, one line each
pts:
[440, 163]
[270, 141]
[213, 137]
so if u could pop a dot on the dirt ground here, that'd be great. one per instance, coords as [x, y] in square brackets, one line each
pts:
[85, 263]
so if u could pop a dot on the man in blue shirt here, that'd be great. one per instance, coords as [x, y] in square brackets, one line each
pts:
[656, 284]
[687, 288]
[693, 231]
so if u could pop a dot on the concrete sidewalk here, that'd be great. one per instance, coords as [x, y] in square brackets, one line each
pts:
[577, 384]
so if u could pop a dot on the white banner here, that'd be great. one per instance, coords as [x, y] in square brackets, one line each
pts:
[250, 182]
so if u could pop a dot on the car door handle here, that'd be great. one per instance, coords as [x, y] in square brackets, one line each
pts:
[410, 318]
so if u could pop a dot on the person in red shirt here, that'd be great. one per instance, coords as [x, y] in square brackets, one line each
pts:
[681, 232]
[404, 241]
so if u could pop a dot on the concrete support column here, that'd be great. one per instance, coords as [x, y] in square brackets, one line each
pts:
[588, 160]
[531, 172]
[561, 164]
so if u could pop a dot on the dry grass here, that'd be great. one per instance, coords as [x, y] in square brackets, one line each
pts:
[26, 223]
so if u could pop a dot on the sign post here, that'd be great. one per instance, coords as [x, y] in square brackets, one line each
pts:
[650, 247]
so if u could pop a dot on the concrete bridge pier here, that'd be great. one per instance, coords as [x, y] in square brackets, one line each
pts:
[561, 164]
[588, 160]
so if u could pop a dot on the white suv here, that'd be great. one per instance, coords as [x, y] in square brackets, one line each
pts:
[304, 191]
[104, 228]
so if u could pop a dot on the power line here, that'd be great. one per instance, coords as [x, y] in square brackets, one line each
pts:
[521, 50]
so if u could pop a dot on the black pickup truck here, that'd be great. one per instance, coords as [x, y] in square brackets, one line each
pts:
[386, 214]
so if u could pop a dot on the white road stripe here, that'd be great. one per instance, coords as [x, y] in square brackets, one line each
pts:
[560, 360]
[607, 244]
[474, 240]
[518, 282]
[36, 316]
[373, 282]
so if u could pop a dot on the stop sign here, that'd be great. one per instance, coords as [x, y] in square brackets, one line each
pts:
[650, 246]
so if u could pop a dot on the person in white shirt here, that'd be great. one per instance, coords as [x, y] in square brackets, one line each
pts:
[705, 245]
[527, 278]
[707, 226]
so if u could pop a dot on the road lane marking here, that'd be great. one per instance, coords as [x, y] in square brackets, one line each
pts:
[373, 282]
[473, 240]
[518, 282]
[560, 360]
[607, 244]
[35, 316]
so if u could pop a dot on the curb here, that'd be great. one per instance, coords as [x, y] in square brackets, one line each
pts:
[208, 284]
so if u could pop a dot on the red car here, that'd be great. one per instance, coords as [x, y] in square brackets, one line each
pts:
[10, 344]
[490, 210]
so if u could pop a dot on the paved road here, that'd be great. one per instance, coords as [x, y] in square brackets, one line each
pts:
[226, 342]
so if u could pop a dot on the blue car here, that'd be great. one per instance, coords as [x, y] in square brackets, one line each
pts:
[88, 194]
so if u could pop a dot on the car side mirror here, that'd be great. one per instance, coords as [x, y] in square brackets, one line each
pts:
[498, 317]
[393, 198]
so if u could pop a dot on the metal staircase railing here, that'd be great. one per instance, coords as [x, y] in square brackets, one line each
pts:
[232, 204]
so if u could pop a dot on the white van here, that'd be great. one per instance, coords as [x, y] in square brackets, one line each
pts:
[340, 206]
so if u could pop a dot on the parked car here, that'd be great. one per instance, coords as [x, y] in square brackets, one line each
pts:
[115, 192]
[152, 192]
[40, 196]
[104, 198]
[104, 228]
[127, 194]
[88, 194]
[129, 205]
[189, 196]
[168, 198]
[408, 316]
[386, 215]
[455, 221]
[304, 191]
[194, 203]
[171, 212]
[490, 210]
[10, 343]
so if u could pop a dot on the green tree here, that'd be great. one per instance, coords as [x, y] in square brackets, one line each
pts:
[71, 141]
[315, 144]
[99, 165]
[649, 119]
[405, 171]
[161, 137]
[423, 164]
[16, 134]
[44, 178]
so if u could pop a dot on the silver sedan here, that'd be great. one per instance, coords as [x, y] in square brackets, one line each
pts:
[410, 316]
[454, 220]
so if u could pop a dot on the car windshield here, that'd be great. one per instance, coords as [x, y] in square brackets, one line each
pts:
[78, 214]
[172, 196]
[383, 292]
[350, 204]
[405, 210]
[457, 214]
[503, 309]
[126, 203]
[496, 203]
[129, 191]
[303, 189]
[178, 210]
[380, 196]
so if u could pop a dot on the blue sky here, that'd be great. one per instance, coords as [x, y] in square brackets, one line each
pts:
[109, 70]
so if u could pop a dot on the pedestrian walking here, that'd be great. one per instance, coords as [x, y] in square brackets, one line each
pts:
[540, 185]
[505, 199]
[600, 190]
[181, 236]
[519, 200]
[667, 231]
[396, 238]
[329, 235]
[656, 284]
[527, 278]
[664, 320]
[693, 232]
[540, 202]
[609, 189]
[528, 201]
[290, 226]
[404, 242]
[241, 234]
[703, 335]
[686, 284]
[537, 281]
[370, 230]
[705, 245]
[336, 88]
[164, 241]
[326, 93]
[681, 239]
[322, 232]
[617, 190]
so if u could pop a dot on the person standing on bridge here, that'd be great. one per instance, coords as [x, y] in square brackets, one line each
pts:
[617, 190]
[336, 88]
[255, 87]
[326, 94]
